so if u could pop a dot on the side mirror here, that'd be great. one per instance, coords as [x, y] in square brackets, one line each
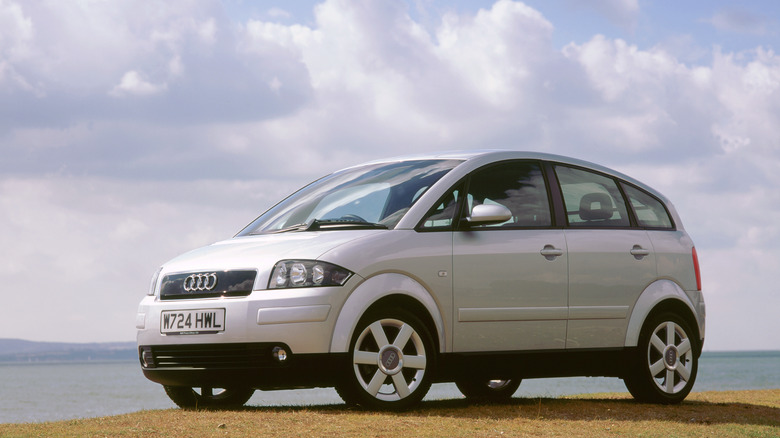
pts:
[486, 214]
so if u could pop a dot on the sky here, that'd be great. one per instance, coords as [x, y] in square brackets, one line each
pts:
[132, 131]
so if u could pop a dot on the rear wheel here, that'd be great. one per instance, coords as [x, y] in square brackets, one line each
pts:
[487, 389]
[664, 365]
[392, 358]
[214, 398]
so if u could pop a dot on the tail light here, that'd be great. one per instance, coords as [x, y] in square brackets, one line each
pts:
[696, 268]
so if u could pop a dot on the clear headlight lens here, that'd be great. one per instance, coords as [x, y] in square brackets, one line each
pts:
[307, 273]
[153, 285]
[279, 277]
[317, 274]
[298, 274]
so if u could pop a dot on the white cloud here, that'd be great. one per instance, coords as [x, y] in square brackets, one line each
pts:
[88, 246]
[132, 83]
[121, 120]
[279, 13]
[181, 56]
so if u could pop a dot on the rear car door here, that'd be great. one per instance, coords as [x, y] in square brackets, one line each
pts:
[610, 261]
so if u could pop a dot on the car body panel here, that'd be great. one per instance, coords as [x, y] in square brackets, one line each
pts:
[656, 293]
[371, 291]
[605, 280]
[507, 295]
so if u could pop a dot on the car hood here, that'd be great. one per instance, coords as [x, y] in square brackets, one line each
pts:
[261, 252]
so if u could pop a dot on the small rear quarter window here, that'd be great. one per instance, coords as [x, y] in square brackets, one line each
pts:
[649, 211]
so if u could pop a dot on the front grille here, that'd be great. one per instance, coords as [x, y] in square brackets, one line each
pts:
[206, 284]
[211, 356]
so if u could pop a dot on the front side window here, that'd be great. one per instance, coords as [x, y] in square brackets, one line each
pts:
[591, 199]
[649, 211]
[442, 215]
[518, 186]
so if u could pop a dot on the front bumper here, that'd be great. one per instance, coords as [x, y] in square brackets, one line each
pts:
[299, 321]
[302, 319]
[239, 365]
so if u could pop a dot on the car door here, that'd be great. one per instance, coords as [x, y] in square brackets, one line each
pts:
[509, 278]
[610, 262]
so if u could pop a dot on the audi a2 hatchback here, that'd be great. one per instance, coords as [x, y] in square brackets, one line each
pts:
[479, 268]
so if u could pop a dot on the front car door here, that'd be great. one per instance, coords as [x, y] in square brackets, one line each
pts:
[510, 278]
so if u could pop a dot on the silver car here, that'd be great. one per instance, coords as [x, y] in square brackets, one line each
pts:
[480, 268]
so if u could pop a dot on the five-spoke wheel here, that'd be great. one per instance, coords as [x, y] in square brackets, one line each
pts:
[392, 356]
[666, 361]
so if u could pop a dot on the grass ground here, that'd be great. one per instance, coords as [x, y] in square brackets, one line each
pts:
[711, 414]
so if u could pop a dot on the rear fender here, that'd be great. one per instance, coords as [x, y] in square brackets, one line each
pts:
[654, 294]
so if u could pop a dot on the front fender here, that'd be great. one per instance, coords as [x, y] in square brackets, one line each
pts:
[370, 292]
[654, 294]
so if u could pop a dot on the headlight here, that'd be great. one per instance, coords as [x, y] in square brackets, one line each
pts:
[307, 273]
[153, 285]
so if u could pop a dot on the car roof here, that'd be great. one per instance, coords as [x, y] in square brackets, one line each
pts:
[495, 155]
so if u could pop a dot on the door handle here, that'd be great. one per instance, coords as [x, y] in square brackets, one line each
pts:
[550, 252]
[638, 252]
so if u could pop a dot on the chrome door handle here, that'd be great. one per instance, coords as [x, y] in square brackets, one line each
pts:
[638, 252]
[550, 252]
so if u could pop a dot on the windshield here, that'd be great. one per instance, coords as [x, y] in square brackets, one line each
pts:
[369, 196]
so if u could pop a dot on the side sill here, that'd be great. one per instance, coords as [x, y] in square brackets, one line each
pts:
[534, 364]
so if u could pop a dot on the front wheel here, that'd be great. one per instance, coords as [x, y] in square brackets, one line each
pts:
[213, 398]
[392, 362]
[665, 362]
[487, 389]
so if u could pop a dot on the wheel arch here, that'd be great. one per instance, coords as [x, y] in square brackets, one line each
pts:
[389, 289]
[661, 296]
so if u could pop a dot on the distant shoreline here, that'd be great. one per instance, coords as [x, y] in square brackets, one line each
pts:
[20, 351]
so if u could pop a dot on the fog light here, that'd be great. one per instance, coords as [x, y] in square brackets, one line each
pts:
[147, 358]
[280, 354]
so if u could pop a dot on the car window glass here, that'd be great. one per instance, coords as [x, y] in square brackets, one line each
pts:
[649, 211]
[375, 193]
[518, 186]
[591, 200]
[443, 213]
[366, 201]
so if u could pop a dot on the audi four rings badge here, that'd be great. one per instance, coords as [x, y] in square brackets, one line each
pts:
[200, 282]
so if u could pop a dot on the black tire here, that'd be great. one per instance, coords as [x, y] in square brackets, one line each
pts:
[391, 364]
[488, 389]
[208, 398]
[665, 362]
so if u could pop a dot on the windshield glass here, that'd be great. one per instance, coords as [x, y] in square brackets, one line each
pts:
[374, 195]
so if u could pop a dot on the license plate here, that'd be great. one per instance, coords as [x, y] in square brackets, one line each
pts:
[192, 322]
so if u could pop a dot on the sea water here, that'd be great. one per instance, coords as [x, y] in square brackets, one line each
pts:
[39, 392]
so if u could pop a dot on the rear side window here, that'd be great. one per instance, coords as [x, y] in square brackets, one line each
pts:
[649, 211]
[592, 200]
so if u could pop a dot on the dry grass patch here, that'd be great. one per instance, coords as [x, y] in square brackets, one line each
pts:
[732, 413]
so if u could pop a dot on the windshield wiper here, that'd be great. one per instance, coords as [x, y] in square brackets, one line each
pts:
[337, 224]
[343, 224]
[297, 227]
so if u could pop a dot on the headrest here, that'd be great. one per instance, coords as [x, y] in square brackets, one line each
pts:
[596, 206]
